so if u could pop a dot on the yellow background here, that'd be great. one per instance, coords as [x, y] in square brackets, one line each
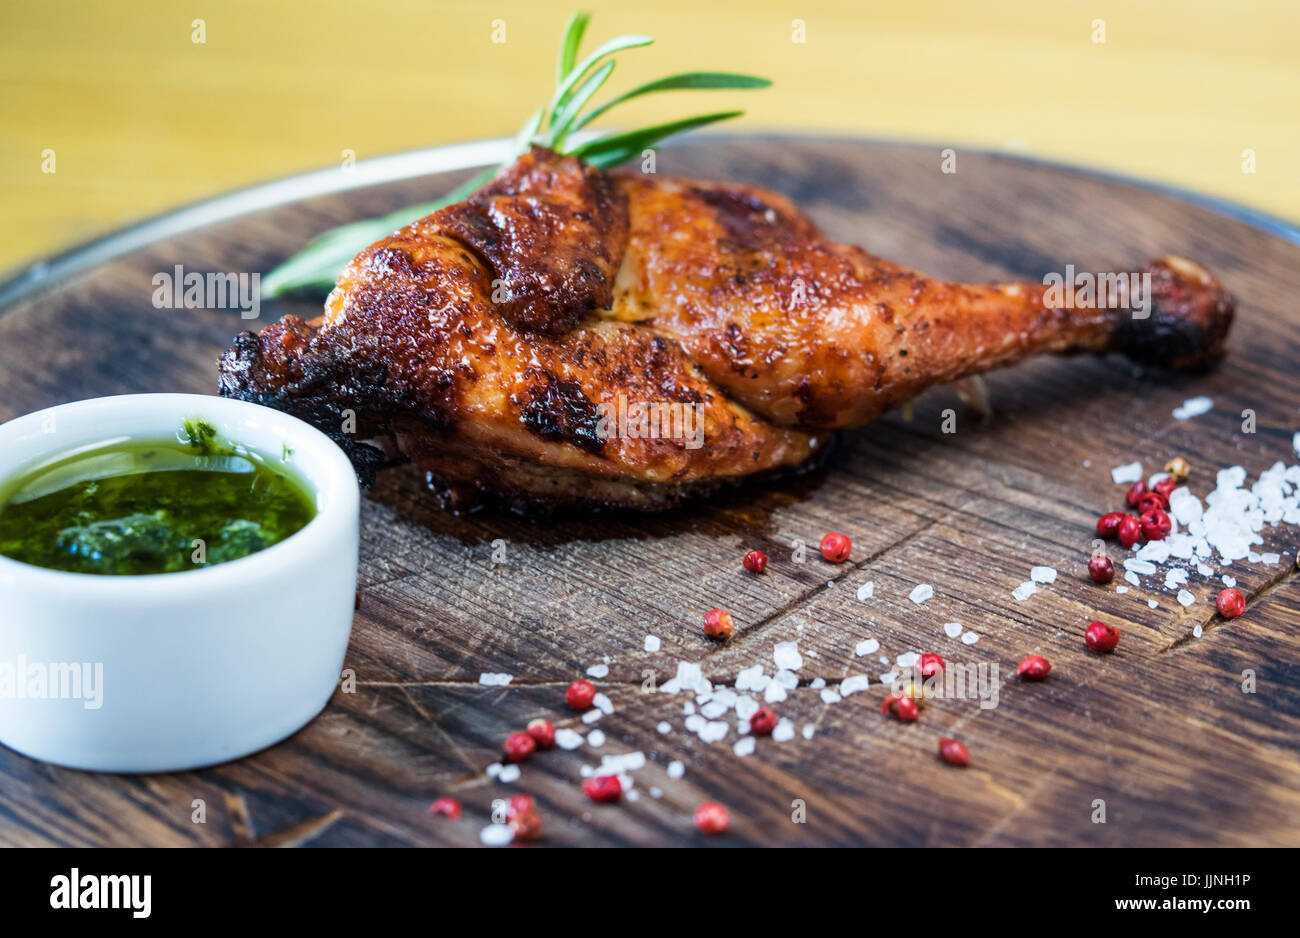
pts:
[141, 118]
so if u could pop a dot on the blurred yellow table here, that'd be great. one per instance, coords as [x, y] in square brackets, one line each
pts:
[115, 111]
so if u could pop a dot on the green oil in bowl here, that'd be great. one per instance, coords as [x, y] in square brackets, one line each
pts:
[144, 506]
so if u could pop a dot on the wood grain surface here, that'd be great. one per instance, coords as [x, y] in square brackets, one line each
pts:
[1161, 730]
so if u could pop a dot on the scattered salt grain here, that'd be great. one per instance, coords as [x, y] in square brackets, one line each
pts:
[853, 684]
[969, 638]
[652, 643]
[784, 731]
[602, 703]
[921, 593]
[493, 770]
[572, 739]
[1270, 559]
[744, 746]
[656, 792]
[1186, 597]
[1198, 631]
[829, 696]
[598, 671]
[496, 835]
[494, 680]
[595, 739]
[676, 770]
[1229, 581]
[1043, 575]
[1153, 604]
[865, 647]
[509, 774]
[664, 728]
[1193, 407]
[952, 629]
[1132, 577]
[1121, 590]
[866, 590]
[786, 655]
[907, 659]
[1130, 473]
[591, 716]
[1025, 590]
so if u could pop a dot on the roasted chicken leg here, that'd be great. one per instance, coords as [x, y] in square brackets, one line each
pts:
[571, 337]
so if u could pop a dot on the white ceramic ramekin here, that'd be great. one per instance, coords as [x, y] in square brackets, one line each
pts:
[197, 667]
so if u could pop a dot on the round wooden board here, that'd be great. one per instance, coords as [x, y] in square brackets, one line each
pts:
[1161, 732]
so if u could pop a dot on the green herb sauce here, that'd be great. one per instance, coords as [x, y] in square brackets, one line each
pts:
[151, 506]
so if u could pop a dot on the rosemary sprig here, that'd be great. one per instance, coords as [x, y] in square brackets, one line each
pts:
[318, 264]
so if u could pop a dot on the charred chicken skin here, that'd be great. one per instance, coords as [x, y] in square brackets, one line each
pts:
[572, 337]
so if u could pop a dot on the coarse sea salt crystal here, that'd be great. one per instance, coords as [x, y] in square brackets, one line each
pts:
[746, 707]
[508, 774]
[496, 835]
[818, 683]
[786, 655]
[1152, 603]
[591, 716]
[921, 593]
[602, 703]
[969, 638]
[621, 764]
[787, 679]
[784, 731]
[952, 629]
[714, 731]
[1137, 565]
[775, 693]
[1043, 575]
[744, 746]
[809, 730]
[1228, 581]
[652, 643]
[865, 647]
[494, 680]
[598, 671]
[866, 590]
[493, 770]
[1121, 590]
[664, 728]
[1193, 407]
[907, 659]
[1186, 597]
[1025, 590]
[675, 770]
[1132, 577]
[1198, 631]
[752, 679]
[1129, 473]
[572, 739]
[1204, 569]
[829, 696]
[853, 684]
[1270, 559]
[656, 792]
[889, 677]
[1295, 442]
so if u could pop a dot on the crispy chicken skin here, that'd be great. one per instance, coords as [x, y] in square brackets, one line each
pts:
[481, 342]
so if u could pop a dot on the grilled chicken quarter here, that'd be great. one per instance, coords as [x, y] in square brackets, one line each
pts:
[567, 337]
